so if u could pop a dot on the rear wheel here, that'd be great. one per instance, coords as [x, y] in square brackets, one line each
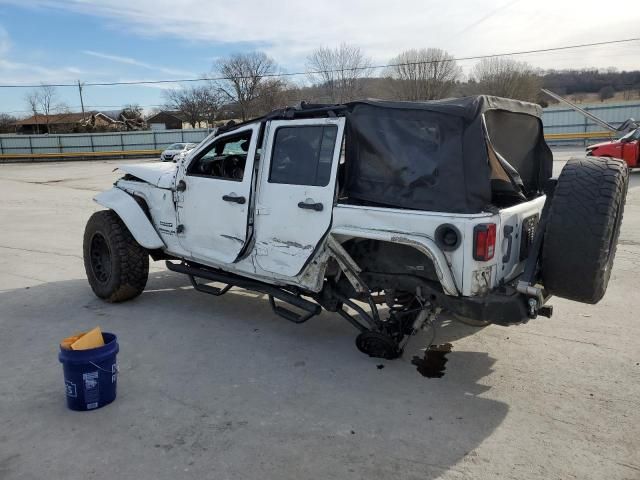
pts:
[117, 266]
[584, 226]
[378, 345]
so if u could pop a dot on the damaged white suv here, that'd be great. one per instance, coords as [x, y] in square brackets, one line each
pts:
[383, 212]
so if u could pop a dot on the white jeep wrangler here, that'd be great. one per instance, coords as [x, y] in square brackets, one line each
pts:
[422, 207]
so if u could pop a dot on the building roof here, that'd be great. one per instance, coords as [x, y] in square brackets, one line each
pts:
[57, 118]
[177, 115]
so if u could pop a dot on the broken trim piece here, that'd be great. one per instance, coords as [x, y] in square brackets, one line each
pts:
[348, 265]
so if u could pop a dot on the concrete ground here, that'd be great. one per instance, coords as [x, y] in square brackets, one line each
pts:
[220, 388]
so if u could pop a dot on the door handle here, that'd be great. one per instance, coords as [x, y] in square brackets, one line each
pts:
[234, 198]
[311, 206]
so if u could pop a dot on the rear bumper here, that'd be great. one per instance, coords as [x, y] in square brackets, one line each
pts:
[504, 306]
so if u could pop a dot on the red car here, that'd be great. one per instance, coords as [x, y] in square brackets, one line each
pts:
[626, 148]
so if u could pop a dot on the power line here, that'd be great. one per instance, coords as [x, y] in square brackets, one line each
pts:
[292, 74]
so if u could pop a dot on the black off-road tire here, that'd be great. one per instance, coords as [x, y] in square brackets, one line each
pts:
[117, 266]
[584, 225]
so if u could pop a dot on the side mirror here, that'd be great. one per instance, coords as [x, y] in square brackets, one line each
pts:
[181, 186]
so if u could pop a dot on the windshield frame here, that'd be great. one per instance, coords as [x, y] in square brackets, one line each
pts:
[631, 136]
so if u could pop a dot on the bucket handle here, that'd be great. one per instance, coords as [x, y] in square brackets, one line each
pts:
[104, 369]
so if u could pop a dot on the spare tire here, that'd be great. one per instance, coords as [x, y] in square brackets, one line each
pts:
[583, 228]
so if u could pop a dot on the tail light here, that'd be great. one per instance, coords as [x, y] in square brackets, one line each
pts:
[484, 241]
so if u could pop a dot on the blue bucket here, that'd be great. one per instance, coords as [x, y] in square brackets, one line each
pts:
[90, 376]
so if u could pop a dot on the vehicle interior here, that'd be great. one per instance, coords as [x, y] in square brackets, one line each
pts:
[225, 158]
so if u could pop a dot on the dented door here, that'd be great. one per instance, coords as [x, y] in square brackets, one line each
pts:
[213, 194]
[296, 193]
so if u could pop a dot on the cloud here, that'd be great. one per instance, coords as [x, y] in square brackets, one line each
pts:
[5, 41]
[137, 63]
[290, 29]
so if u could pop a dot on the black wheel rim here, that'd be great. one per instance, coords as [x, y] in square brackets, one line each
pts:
[100, 258]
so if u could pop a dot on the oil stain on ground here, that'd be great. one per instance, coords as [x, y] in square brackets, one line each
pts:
[432, 365]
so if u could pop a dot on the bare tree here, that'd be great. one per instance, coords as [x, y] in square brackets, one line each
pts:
[48, 98]
[32, 99]
[7, 123]
[505, 77]
[212, 100]
[196, 104]
[44, 99]
[244, 75]
[339, 71]
[273, 93]
[132, 111]
[185, 102]
[425, 74]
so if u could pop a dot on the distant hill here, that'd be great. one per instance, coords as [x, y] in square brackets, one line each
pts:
[570, 82]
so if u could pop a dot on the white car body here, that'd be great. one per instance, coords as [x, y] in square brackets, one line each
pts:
[252, 239]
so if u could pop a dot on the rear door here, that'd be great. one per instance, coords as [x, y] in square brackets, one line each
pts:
[296, 191]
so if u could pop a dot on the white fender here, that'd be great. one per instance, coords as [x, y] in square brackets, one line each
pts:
[132, 215]
[419, 242]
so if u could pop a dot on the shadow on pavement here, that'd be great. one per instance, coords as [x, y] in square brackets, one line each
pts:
[222, 388]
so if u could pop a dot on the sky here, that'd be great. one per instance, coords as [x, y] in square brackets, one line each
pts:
[49, 41]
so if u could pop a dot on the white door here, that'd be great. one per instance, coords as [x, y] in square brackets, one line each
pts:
[296, 191]
[213, 197]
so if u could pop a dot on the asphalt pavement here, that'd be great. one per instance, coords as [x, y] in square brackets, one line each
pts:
[221, 388]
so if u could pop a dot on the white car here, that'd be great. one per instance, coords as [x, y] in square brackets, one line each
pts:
[383, 212]
[173, 151]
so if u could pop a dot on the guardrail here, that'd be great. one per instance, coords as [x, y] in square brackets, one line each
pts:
[76, 155]
[580, 136]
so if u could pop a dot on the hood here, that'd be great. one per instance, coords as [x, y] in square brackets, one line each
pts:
[160, 174]
[601, 144]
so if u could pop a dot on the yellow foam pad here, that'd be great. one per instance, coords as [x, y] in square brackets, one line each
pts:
[91, 339]
[66, 343]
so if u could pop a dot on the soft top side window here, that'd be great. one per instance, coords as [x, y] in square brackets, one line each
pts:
[303, 155]
[224, 158]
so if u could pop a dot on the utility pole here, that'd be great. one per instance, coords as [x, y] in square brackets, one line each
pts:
[81, 101]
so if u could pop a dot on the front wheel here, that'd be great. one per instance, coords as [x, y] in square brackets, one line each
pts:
[117, 266]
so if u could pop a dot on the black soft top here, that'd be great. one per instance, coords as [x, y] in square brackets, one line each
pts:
[466, 107]
[458, 155]
[455, 155]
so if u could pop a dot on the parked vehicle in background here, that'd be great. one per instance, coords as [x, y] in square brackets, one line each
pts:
[173, 151]
[416, 206]
[626, 148]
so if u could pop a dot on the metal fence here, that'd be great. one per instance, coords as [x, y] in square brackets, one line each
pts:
[561, 125]
[97, 142]
[564, 120]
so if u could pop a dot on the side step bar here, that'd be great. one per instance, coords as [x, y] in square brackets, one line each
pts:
[310, 309]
